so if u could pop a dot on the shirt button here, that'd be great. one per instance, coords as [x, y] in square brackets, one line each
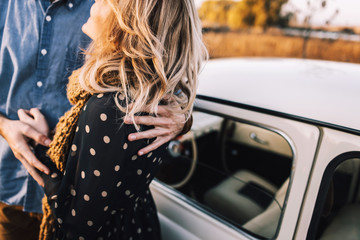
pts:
[39, 84]
[70, 5]
[48, 18]
[43, 52]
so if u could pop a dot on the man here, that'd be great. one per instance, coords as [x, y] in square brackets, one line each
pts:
[40, 45]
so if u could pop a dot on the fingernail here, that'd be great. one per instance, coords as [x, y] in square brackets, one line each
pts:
[132, 137]
[47, 142]
[46, 171]
[141, 153]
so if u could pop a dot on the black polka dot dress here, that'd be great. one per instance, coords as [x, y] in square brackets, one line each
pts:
[104, 192]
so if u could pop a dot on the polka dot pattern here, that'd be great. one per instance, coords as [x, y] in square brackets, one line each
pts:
[92, 151]
[74, 147]
[97, 173]
[86, 197]
[103, 117]
[73, 192]
[106, 139]
[105, 166]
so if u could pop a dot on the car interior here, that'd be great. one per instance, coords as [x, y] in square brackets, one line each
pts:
[340, 218]
[234, 169]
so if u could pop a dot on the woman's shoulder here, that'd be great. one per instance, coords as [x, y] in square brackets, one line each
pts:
[106, 99]
[104, 103]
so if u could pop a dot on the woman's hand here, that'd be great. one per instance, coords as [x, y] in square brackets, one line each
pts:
[167, 126]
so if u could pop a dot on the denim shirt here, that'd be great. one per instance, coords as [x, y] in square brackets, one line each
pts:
[40, 45]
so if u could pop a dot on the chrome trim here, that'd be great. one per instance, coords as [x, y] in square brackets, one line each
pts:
[163, 187]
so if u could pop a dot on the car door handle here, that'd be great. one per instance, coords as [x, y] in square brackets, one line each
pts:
[255, 138]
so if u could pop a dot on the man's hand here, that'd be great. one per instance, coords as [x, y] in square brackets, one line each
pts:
[35, 119]
[166, 127]
[17, 134]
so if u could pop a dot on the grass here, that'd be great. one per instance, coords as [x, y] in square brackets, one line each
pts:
[252, 44]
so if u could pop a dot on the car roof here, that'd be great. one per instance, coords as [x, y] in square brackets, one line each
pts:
[322, 91]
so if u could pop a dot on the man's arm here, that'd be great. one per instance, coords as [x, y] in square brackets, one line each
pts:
[3, 14]
[17, 134]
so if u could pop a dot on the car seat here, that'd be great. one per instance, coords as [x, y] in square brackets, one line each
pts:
[249, 200]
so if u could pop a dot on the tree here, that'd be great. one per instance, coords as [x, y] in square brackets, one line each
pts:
[215, 13]
[259, 13]
[241, 14]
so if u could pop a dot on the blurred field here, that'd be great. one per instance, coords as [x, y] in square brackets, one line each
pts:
[250, 44]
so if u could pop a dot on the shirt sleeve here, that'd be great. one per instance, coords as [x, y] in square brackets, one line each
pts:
[103, 174]
[3, 14]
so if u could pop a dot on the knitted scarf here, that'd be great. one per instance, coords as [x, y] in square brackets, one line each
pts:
[60, 145]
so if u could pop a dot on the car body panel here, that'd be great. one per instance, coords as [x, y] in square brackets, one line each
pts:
[319, 90]
[334, 143]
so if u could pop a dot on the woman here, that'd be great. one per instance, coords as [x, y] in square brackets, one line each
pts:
[144, 53]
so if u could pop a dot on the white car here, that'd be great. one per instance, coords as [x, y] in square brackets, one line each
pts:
[274, 153]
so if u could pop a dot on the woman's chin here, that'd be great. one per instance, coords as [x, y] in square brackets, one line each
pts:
[85, 30]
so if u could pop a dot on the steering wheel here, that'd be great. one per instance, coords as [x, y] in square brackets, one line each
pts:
[183, 157]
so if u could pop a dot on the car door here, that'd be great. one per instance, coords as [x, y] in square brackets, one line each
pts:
[185, 215]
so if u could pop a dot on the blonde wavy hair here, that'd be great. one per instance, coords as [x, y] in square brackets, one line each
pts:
[150, 52]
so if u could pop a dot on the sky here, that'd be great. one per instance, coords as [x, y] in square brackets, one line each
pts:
[349, 11]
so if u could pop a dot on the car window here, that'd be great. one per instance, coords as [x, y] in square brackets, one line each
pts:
[339, 217]
[238, 171]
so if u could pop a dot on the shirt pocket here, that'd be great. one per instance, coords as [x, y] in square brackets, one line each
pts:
[74, 59]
